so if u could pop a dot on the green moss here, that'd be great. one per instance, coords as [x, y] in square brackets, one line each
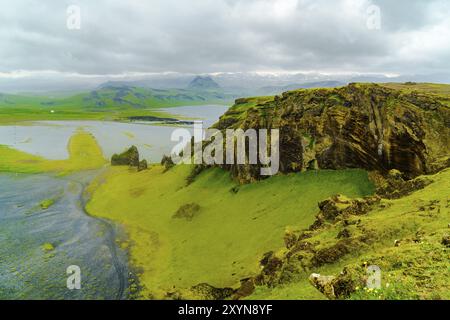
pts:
[48, 247]
[223, 243]
[47, 203]
[403, 237]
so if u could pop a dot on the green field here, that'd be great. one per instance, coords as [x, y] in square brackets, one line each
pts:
[225, 239]
[84, 154]
[111, 103]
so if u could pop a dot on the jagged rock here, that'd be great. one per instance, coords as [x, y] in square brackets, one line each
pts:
[339, 287]
[340, 206]
[290, 239]
[324, 284]
[365, 126]
[333, 253]
[270, 263]
[247, 287]
[394, 186]
[128, 158]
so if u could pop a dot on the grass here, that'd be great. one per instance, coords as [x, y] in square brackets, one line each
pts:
[84, 154]
[20, 114]
[229, 232]
[111, 103]
[440, 89]
[47, 247]
[47, 203]
[416, 268]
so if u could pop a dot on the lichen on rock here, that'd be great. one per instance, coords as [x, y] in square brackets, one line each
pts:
[366, 126]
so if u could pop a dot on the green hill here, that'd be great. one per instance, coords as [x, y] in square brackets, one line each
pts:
[111, 102]
[311, 231]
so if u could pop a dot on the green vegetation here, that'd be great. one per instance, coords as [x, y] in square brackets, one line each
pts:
[47, 203]
[227, 227]
[109, 103]
[239, 110]
[216, 231]
[47, 247]
[84, 154]
[404, 237]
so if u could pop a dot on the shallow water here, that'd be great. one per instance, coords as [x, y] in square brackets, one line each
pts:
[27, 271]
[49, 138]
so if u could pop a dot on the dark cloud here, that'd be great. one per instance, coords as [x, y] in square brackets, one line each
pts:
[201, 36]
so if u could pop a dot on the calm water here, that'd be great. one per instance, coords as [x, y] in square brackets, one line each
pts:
[27, 270]
[49, 138]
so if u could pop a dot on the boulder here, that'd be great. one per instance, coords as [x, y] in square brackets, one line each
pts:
[324, 284]
[130, 158]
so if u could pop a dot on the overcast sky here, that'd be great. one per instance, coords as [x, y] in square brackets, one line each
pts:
[205, 36]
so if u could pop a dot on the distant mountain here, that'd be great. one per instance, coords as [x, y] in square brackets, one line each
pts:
[119, 97]
[203, 83]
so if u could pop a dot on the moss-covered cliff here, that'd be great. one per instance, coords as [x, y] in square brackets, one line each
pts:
[370, 126]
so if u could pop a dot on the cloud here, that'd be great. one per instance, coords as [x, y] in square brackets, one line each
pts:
[203, 36]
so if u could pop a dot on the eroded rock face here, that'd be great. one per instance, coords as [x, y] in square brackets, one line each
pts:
[130, 158]
[358, 126]
[339, 287]
[324, 284]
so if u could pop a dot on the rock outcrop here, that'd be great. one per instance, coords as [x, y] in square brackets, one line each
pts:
[130, 158]
[365, 126]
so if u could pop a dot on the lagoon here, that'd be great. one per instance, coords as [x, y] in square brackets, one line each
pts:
[49, 138]
[39, 243]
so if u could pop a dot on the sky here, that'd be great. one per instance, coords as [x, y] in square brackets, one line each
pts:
[135, 38]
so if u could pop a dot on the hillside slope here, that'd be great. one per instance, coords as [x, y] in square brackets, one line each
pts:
[106, 103]
[369, 126]
[407, 238]
[219, 238]
[212, 233]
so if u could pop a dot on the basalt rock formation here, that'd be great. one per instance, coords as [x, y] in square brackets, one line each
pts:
[365, 126]
[130, 158]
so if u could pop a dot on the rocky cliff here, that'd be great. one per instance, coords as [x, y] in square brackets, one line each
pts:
[367, 126]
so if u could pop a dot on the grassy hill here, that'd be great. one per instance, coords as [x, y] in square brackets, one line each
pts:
[216, 238]
[109, 103]
[212, 231]
[408, 238]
